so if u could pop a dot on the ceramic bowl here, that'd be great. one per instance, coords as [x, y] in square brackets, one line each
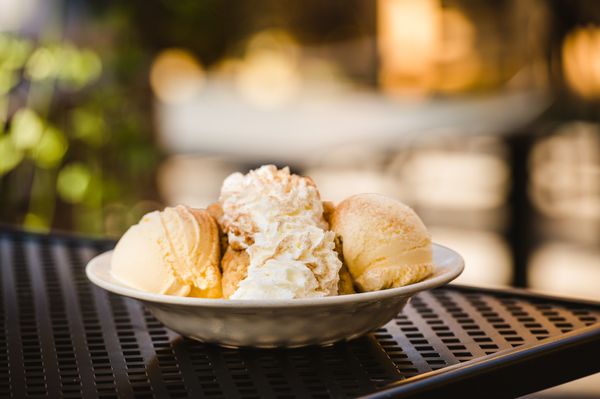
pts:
[279, 323]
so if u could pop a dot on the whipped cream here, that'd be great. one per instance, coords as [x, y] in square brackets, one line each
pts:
[277, 217]
[281, 279]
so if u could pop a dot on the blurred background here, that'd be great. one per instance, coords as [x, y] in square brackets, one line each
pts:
[483, 116]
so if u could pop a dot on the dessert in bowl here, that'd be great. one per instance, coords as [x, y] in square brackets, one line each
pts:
[271, 265]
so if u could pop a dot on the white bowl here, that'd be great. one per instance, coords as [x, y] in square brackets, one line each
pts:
[279, 323]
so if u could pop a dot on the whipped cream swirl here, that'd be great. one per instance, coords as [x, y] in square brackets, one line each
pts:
[277, 217]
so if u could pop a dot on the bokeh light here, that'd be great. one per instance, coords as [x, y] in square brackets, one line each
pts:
[193, 180]
[26, 129]
[425, 46]
[73, 68]
[487, 255]
[336, 185]
[8, 79]
[43, 64]
[269, 74]
[565, 268]
[89, 126]
[14, 52]
[10, 155]
[565, 171]
[51, 148]
[581, 61]
[408, 33]
[78, 67]
[73, 182]
[472, 174]
[446, 179]
[176, 76]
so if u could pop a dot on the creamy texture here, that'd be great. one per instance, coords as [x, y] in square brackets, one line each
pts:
[137, 261]
[277, 218]
[281, 279]
[173, 252]
[384, 242]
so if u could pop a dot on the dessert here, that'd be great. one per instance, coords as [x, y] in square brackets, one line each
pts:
[173, 252]
[277, 218]
[235, 268]
[345, 286]
[384, 243]
[270, 236]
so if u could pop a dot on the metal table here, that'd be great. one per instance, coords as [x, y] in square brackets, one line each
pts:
[64, 337]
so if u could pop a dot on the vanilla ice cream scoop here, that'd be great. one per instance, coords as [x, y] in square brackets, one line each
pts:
[277, 218]
[384, 243]
[173, 252]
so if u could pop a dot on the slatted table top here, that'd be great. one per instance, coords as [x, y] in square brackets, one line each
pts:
[64, 337]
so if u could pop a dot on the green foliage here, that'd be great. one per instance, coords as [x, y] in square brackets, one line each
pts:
[43, 64]
[26, 129]
[88, 126]
[51, 148]
[79, 68]
[72, 132]
[34, 221]
[8, 80]
[14, 52]
[10, 156]
[73, 182]
[71, 67]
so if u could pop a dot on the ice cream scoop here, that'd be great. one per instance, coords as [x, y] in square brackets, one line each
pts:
[276, 217]
[173, 252]
[235, 268]
[384, 243]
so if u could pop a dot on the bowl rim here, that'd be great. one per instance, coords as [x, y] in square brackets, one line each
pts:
[453, 269]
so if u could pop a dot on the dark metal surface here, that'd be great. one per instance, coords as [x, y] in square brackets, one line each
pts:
[65, 337]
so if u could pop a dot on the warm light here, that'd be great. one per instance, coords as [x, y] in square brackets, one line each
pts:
[566, 269]
[458, 62]
[269, 74]
[424, 46]
[192, 180]
[565, 172]
[408, 33]
[268, 79]
[176, 76]
[275, 40]
[581, 61]
[459, 180]
[458, 36]
[336, 185]
[487, 256]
